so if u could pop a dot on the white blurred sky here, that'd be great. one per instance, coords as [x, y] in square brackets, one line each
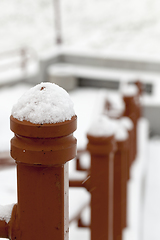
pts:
[123, 26]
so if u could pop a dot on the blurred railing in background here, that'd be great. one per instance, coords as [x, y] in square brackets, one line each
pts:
[18, 58]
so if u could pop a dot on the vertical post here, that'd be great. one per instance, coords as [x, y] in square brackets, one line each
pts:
[127, 123]
[130, 95]
[101, 148]
[139, 95]
[120, 183]
[41, 153]
[140, 86]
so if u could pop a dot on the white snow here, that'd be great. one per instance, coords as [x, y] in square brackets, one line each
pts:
[116, 101]
[123, 27]
[75, 196]
[126, 122]
[102, 126]
[5, 212]
[84, 101]
[78, 175]
[128, 89]
[44, 103]
[117, 104]
[85, 160]
[121, 134]
[108, 26]
[61, 69]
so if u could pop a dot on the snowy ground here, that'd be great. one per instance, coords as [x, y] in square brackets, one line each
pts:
[151, 223]
[150, 230]
[127, 26]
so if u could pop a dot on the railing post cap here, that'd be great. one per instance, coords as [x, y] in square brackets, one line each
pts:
[101, 145]
[129, 90]
[44, 140]
[46, 130]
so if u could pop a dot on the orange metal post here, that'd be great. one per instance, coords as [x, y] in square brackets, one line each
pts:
[101, 185]
[41, 152]
[120, 189]
[3, 229]
[139, 84]
[128, 125]
[131, 111]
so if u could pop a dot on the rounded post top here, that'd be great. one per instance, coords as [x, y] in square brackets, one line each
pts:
[43, 122]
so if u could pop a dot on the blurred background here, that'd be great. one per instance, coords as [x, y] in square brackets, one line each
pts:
[126, 26]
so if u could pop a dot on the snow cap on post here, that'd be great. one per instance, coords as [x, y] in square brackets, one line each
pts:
[127, 123]
[44, 103]
[101, 136]
[102, 126]
[45, 112]
[128, 90]
[121, 133]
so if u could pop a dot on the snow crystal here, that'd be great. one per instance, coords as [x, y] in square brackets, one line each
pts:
[127, 123]
[44, 103]
[129, 89]
[102, 126]
[5, 212]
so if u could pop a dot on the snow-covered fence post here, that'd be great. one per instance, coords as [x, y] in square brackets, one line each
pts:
[43, 122]
[57, 21]
[101, 145]
[139, 95]
[120, 181]
[127, 123]
[130, 97]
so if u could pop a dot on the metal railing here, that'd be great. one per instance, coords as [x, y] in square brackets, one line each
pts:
[106, 181]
